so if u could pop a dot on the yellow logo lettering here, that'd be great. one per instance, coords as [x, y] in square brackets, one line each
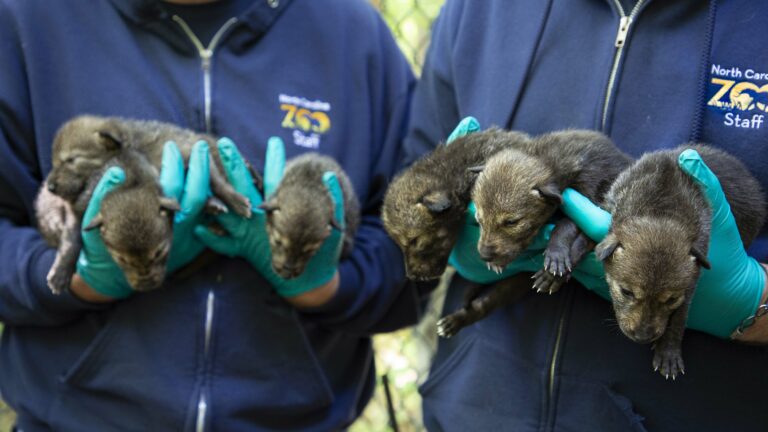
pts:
[304, 119]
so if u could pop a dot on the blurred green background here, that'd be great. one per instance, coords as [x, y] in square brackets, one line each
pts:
[404, 356]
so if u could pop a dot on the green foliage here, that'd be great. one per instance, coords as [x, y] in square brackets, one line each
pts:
[411, 23]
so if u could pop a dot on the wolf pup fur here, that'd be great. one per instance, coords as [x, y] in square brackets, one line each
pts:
[300, 213]
[83, 148]
[424, 207]
[659, 241]
[517, 192]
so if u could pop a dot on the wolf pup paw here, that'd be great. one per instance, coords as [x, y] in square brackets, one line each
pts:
[668, 361]
[557, 260]
[240, 205]
[450, 325]
[545, 282]
[215, 206]
[59, 279]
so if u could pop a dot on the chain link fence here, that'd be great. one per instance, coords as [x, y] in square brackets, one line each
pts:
[403, 358]
[411, 23]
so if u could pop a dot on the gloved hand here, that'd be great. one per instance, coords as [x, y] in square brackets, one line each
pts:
[248, 237]
[191, 191]
[465, 257]
[95, 265]
[729, 292]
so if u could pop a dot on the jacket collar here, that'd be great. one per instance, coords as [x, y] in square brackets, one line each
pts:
[258, 18]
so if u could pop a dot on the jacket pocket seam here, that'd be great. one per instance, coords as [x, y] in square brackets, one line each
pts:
[87, 359]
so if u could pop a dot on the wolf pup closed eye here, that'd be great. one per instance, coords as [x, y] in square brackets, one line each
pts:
[300, 213]
[82, 150]
[517, 192]
[659, 241]
[424, 206]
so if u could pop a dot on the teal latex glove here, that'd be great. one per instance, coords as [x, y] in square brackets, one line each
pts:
[465, 127]
[191, 191]
[726, 294]
[731, 290]
[248, 237]
[95, 265]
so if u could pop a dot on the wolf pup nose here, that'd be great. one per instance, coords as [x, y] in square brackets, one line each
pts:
[659, 241]
[300, 213]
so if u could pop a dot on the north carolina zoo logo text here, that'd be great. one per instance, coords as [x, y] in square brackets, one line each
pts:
[741, 94]
[308, 119]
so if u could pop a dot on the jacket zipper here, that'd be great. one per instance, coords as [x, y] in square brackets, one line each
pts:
[553, 362]
[621, 38]
[206, 54]
[202, 402]
[553, 368]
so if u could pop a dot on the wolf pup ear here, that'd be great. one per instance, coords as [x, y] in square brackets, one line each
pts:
[436, 202]
[700, 258]
[169, 204]
[608, 247]
[269, 206]
[549, 192]
[476, 169]
[109, 141]
[96, 222]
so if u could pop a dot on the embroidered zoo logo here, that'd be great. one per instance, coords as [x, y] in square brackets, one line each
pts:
[308, 120]
[741, 95]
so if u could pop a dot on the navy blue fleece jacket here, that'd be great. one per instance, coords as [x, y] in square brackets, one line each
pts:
[688, 70]
[216, 349]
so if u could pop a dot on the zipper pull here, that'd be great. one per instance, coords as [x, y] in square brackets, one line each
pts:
[205, 56]
[621, 36]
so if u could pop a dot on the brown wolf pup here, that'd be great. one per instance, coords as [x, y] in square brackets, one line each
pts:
[659, 240]
[300, 213]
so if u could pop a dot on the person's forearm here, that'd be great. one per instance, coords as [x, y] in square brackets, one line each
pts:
[316, 297]
[757, 332]
[84, 292]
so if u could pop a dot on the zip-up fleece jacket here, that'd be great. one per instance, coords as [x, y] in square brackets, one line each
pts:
[684, 70]
[217, 349]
